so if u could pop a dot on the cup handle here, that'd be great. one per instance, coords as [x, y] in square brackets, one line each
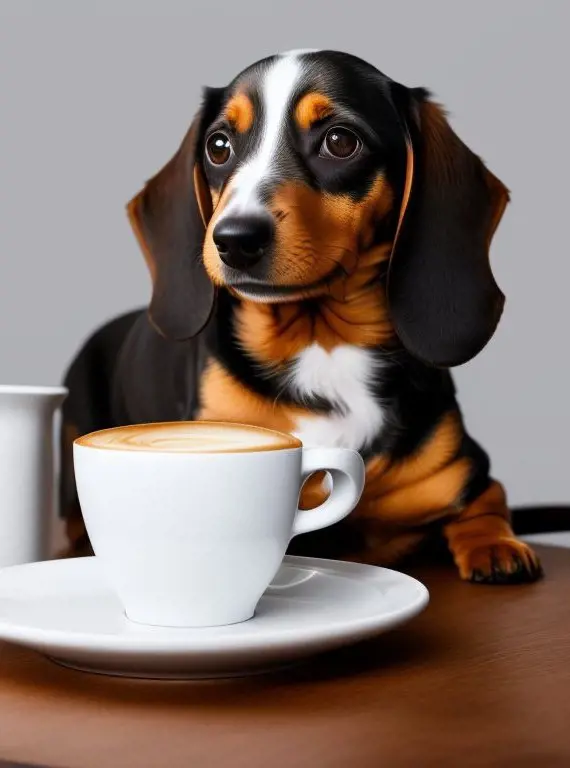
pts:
[346, 469]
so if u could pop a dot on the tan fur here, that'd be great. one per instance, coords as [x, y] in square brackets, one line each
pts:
[481, 537]
[223, 398]
[311, 108]
[400, 496]
[239, 112]
[209, 251]
[421, 502]
[313, 492]
[383, 476]
[273, 334]
[319, 233]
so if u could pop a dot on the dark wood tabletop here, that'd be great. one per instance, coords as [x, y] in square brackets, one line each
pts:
[481, 679]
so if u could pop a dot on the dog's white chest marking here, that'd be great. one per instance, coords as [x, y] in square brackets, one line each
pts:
[343, 377]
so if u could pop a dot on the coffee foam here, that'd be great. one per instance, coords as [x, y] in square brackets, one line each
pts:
[189, 437]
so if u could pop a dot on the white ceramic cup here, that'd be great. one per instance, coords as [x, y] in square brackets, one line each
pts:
[29, 454]
[192, 538]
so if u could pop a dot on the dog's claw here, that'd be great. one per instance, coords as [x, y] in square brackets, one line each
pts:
[504, 563]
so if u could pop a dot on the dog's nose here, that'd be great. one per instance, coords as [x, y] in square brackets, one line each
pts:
[243, 240]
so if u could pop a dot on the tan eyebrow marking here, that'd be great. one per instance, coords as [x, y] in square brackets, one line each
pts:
[312, 107]
[239, 112]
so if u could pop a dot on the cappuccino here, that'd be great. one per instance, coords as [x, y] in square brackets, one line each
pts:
[189, 437]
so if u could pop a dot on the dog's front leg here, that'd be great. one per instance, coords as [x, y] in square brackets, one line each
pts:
[484, 546]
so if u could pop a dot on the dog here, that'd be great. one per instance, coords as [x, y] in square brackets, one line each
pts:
[319, 253]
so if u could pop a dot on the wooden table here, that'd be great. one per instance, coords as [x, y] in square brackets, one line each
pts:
[482, 678]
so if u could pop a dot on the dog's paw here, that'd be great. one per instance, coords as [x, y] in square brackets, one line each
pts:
[507, 561]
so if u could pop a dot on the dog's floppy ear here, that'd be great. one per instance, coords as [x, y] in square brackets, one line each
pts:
[443, 298]
[169, 217]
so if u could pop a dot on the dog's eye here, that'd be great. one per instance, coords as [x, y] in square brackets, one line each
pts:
[218, 148]
[340, 144]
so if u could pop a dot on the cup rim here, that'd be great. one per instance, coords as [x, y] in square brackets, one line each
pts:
[294, 442]
[33, 389]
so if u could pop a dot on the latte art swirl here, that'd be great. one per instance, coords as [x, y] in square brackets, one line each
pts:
[189, 437]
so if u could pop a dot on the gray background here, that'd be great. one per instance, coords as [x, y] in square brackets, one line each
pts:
[94, 97]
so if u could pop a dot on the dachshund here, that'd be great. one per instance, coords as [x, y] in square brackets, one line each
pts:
[319, 255]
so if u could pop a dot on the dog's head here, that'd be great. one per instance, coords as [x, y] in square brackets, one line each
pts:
[302, 163]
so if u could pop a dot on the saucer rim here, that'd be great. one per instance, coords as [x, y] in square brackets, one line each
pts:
[212, 641]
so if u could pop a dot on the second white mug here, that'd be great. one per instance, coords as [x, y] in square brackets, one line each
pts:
[27, 471]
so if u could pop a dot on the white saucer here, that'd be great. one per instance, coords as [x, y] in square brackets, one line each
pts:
[65, 610]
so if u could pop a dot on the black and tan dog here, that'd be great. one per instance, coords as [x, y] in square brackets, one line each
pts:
[318, 248]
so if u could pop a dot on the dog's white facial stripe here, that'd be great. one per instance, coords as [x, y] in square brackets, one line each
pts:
[300, 51]
[342, 376]
[277, 89]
